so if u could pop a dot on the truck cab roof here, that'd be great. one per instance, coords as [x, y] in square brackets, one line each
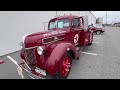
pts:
[66, 16]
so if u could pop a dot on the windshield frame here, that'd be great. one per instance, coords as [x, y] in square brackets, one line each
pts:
[57, 23]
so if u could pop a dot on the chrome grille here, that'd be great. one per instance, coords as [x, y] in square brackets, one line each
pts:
[52, 39]
[30, 58]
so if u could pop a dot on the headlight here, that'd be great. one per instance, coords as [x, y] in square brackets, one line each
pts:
[40, 50]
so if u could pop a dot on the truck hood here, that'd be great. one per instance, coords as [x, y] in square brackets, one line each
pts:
[35, 39]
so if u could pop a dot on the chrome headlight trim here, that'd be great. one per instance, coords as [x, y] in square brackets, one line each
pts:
[40, 50]
[21, 45]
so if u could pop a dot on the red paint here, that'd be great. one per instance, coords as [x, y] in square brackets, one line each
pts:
[54, 52]
[54, 60]
[1, 62]
[92, 28]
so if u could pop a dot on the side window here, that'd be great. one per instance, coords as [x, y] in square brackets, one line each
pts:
[63, 23]
[75, 23]
[52, 25]
[81, 23]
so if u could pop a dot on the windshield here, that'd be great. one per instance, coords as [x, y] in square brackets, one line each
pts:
[91, 26]
[61, 23]
[98, 25]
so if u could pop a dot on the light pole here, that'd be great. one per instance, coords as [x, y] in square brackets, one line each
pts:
[56, 13]
[106, 17]
[79, 13]
[115, 20]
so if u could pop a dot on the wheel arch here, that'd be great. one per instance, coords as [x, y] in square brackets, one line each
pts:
[72, 54]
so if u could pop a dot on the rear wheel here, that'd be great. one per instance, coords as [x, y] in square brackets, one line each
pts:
[65, 67]
[98, 32]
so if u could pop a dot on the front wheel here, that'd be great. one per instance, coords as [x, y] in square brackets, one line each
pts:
[65, 67]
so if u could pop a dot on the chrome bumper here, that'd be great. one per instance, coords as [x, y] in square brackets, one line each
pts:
[33, 76]
[21, 69]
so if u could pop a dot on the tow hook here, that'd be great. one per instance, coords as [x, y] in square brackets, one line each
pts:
[20, 70]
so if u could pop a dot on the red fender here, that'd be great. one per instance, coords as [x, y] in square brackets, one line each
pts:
[54, 61]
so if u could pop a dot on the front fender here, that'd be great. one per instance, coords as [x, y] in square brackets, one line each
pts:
[22, 54]
[54, 61]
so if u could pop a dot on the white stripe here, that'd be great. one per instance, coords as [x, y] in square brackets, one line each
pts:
[88, 53]
[96, 37]
[13, 60]
[95, 42]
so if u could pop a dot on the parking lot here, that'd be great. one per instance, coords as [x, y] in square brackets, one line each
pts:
[101, 60]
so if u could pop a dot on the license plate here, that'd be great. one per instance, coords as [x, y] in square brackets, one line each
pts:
[40, 71]
[99, 29]
[19, 69]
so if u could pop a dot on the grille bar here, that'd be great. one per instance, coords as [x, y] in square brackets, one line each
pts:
[30, 58]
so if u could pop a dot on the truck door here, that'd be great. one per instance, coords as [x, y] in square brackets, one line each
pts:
[86, 31]
[75, 32]
[86, 35]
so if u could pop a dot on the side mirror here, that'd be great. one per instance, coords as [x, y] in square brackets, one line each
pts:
[73, 26]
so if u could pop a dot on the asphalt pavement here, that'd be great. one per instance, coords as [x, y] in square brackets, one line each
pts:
[101, 60]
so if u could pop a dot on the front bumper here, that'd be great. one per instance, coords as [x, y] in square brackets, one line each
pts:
[23, 71]
[100, 29]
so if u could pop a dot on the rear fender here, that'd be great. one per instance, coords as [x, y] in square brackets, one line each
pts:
[54, 61]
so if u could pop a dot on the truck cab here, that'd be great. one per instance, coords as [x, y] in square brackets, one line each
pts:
[51, 52]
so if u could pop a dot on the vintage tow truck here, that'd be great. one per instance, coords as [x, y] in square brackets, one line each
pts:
[51, 52]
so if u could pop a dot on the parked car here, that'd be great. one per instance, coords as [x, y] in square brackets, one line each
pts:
[99, 29]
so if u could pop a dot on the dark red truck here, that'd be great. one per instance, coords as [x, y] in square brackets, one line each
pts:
[51, 52]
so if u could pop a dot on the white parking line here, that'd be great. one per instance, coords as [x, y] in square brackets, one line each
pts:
[96, 37]
[89, 53]
[13, 60]
[16, 64]
[95, 42]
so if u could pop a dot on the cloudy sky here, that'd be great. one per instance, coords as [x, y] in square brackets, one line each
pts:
[112, 16]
